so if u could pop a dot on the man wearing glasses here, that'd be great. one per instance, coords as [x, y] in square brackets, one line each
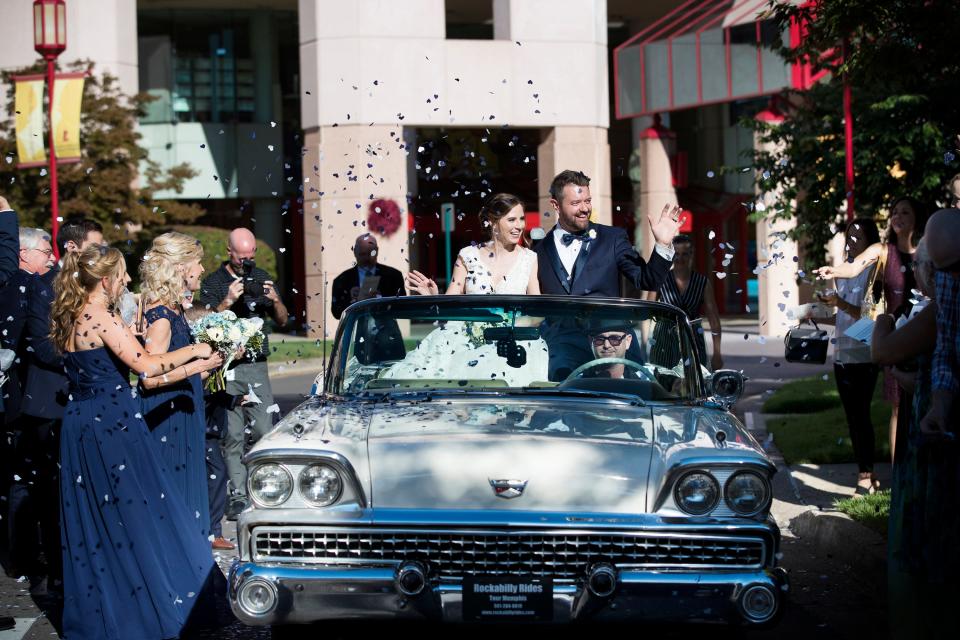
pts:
[612, 342]
[34, 404]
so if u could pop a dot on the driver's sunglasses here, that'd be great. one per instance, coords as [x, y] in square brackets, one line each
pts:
[614, 340]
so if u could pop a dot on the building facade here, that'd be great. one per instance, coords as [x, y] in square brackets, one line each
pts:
[298, 115]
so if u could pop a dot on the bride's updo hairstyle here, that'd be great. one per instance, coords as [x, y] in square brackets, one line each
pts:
[81, 274]
[497, 206]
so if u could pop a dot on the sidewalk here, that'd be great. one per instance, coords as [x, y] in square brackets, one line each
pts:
[803, 506]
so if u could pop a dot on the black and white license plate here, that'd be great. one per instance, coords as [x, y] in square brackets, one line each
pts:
[507, 598]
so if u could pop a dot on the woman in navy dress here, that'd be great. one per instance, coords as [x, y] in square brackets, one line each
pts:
[134, 562]
[174, 411]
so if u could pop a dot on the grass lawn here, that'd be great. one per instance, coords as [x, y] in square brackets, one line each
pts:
[872, 510]
[815, 431]
[807, 395]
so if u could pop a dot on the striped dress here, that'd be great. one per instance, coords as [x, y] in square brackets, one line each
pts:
[664, 348]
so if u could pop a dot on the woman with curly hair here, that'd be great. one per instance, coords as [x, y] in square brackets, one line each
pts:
[174, 411]
[134, 563]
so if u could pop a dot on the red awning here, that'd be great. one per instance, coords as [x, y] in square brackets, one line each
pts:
[702, 52]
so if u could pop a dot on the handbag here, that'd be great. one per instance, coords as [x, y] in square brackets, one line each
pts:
[874, 305]
[803, 344]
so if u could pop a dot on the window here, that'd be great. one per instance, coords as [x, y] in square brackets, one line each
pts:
[201, 68]
[469, 19]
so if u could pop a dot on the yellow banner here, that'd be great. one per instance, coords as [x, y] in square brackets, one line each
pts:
[67, 96]
[29, 121]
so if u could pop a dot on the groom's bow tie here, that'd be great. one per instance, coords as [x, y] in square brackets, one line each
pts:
[568, 238]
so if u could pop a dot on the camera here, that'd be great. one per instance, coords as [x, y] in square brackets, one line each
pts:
[251, 288]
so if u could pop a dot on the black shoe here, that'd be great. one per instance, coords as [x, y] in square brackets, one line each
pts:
[7, 622]
[235, 507]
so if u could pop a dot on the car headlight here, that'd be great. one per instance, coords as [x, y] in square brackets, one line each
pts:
[697, 493]
[746, 493]
[270, 485]
[320, 485]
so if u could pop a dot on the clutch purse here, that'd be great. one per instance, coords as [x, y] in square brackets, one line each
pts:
[803, 344]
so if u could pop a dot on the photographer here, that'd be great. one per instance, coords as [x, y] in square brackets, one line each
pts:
[240, 286]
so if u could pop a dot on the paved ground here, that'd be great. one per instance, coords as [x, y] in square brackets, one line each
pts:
[832, 595]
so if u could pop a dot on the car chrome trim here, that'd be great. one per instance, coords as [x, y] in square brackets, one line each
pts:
[454, 552]
[308, 456]
[710, 464]
[311, 594]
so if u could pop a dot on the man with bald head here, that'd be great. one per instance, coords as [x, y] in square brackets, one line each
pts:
[943, 229]
[367, 279]
[242, 287]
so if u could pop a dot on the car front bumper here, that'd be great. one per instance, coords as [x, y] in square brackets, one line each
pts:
[298, 594]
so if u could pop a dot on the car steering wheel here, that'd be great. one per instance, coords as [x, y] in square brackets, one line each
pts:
[602, 361]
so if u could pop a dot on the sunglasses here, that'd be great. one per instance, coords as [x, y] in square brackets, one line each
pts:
[614, 340]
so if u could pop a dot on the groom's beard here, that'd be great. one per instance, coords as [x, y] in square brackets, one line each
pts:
[571, 226]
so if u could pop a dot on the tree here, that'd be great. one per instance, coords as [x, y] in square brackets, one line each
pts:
[115, 180]
[904, 73]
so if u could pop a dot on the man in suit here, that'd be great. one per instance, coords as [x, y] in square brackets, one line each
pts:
[348, 287]
[34, 495]
[582, 258]
[9, 252]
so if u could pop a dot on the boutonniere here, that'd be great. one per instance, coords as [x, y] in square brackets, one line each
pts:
[592, 234]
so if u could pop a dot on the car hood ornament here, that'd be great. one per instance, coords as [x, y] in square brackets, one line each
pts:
[508, 488]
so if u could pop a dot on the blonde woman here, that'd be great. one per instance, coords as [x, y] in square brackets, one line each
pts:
[133, 559]
[169, 274]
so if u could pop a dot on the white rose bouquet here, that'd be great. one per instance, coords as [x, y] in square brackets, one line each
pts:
[227, 333]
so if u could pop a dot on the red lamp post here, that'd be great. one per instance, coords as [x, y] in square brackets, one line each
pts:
[49, 40]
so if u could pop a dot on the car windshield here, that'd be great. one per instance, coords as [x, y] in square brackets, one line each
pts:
[520, 344]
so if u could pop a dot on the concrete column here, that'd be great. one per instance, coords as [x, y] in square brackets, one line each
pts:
[582, 149]
[776, 269]
[335, 206]
[657, 145]
[264, 54]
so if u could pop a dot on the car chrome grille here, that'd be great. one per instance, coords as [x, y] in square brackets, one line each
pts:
[454, 554]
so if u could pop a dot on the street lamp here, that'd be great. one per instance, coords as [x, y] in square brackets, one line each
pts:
[49, 40]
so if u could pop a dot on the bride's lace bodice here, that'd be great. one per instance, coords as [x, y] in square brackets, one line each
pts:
[480, 280]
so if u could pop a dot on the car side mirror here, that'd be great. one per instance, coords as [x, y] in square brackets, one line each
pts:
[726, 387]
[317, 385]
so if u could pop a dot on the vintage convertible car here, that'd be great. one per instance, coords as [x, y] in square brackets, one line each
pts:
[526, 459]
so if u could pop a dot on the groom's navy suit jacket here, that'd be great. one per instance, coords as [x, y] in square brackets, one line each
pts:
[599, 266]
[596, 272]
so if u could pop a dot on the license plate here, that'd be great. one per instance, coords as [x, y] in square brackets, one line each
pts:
[507, 599]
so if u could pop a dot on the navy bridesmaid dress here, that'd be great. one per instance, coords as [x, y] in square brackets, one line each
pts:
[176, 419]
[134, 563]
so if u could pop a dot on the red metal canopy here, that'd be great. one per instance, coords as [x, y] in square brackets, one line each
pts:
[702, 52]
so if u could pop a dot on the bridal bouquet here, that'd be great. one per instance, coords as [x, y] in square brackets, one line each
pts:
[227, 334]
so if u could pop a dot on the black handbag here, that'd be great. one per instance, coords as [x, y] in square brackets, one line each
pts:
[803, 344]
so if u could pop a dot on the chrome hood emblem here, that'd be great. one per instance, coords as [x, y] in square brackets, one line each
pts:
[508, 488]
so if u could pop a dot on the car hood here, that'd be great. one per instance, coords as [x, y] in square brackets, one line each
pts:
[445, 455]
[572, 454]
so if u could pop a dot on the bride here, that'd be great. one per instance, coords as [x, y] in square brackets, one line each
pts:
[499, 266]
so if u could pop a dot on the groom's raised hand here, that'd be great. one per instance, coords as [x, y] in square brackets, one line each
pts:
[666, 225]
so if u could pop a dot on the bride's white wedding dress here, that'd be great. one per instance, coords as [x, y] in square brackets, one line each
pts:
[451, 352]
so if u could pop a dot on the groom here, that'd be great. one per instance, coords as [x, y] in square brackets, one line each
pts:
[581, 258]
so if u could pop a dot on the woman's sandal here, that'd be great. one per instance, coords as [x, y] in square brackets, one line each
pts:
[865, 486]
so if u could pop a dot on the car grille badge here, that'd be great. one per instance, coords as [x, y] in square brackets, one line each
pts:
[508, 488]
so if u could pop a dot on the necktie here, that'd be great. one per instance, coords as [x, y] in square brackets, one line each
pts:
[567, 238]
